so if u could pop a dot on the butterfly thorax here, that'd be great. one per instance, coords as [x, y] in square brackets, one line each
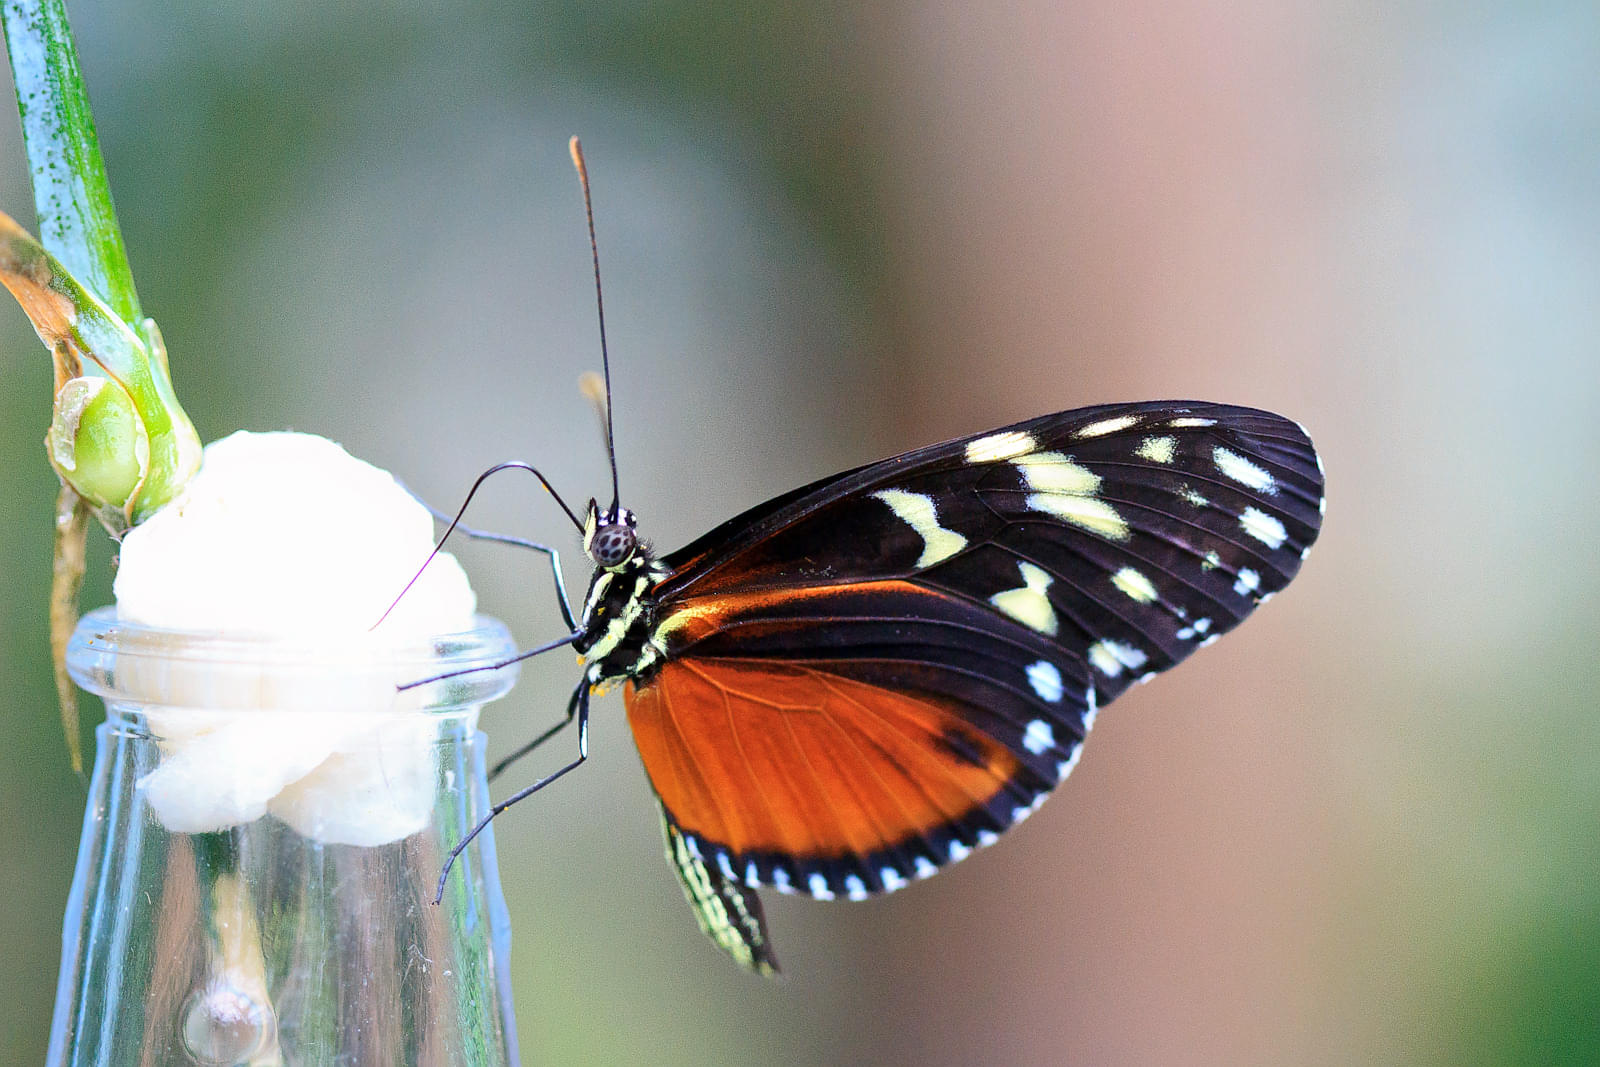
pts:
[619, 612]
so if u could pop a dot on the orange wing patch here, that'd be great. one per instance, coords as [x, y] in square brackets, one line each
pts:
[766, 757]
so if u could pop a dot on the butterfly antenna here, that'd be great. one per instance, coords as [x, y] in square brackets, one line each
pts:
[600, 305]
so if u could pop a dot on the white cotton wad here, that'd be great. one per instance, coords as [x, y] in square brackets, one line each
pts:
[285, 539]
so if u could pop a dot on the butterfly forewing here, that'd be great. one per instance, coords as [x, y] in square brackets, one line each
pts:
[870, 676]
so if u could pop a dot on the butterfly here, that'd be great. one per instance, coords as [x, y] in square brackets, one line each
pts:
[854, 684]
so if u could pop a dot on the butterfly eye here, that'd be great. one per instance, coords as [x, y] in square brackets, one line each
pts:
[612, 545]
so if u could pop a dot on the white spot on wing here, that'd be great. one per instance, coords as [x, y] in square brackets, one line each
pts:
[751, 875]
[1241, 470]
[1019, 814]
[1157, 449]
[1110, 657]
[1046, 681]
[1191, 424]
[1249, 581]
[854, 887]
[725, 865]
[1193, 496]
[958, 851]
[998, 446]
[917, 511]
[1091, 703]
[987, 838]
[819, 886]
[1065, 767]
[1038, 738]
[1105, 426]
[1029, 605]
[924, 867]
[892, 879]
[780, 880]
[1263, 527]
[1135, 584]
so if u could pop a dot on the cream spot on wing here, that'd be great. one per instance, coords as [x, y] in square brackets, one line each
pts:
[1046, 681]
[1110, 657]
[998, 446]
[1067, 489]
[1105, 426]
[1241, 470]
[1052, 472]
[1091, 514]
[1157, 449]
[1249, 581]
[1263, 527]
[917, 511]
[1029, 605]
[1191, 424]
[1038, 738]
[1134, 584]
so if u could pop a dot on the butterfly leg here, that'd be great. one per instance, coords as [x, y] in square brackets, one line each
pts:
[578, 706]
[454, 525]
[518, 658]
[572, 711]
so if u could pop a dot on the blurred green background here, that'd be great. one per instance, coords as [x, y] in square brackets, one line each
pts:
[1363, 829]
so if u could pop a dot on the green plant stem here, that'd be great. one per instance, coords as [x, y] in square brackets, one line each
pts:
[78, 225]
[77, 222]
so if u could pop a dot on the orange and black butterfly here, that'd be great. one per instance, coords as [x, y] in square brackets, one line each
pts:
[844, 689]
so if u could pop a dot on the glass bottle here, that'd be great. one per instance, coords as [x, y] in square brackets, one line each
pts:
[266, 826]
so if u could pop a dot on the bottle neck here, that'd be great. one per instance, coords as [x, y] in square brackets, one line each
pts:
[263, 842]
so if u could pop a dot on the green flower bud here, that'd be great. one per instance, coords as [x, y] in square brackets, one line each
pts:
[97, 442]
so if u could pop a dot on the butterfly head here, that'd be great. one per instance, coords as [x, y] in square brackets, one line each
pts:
[609, 537]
